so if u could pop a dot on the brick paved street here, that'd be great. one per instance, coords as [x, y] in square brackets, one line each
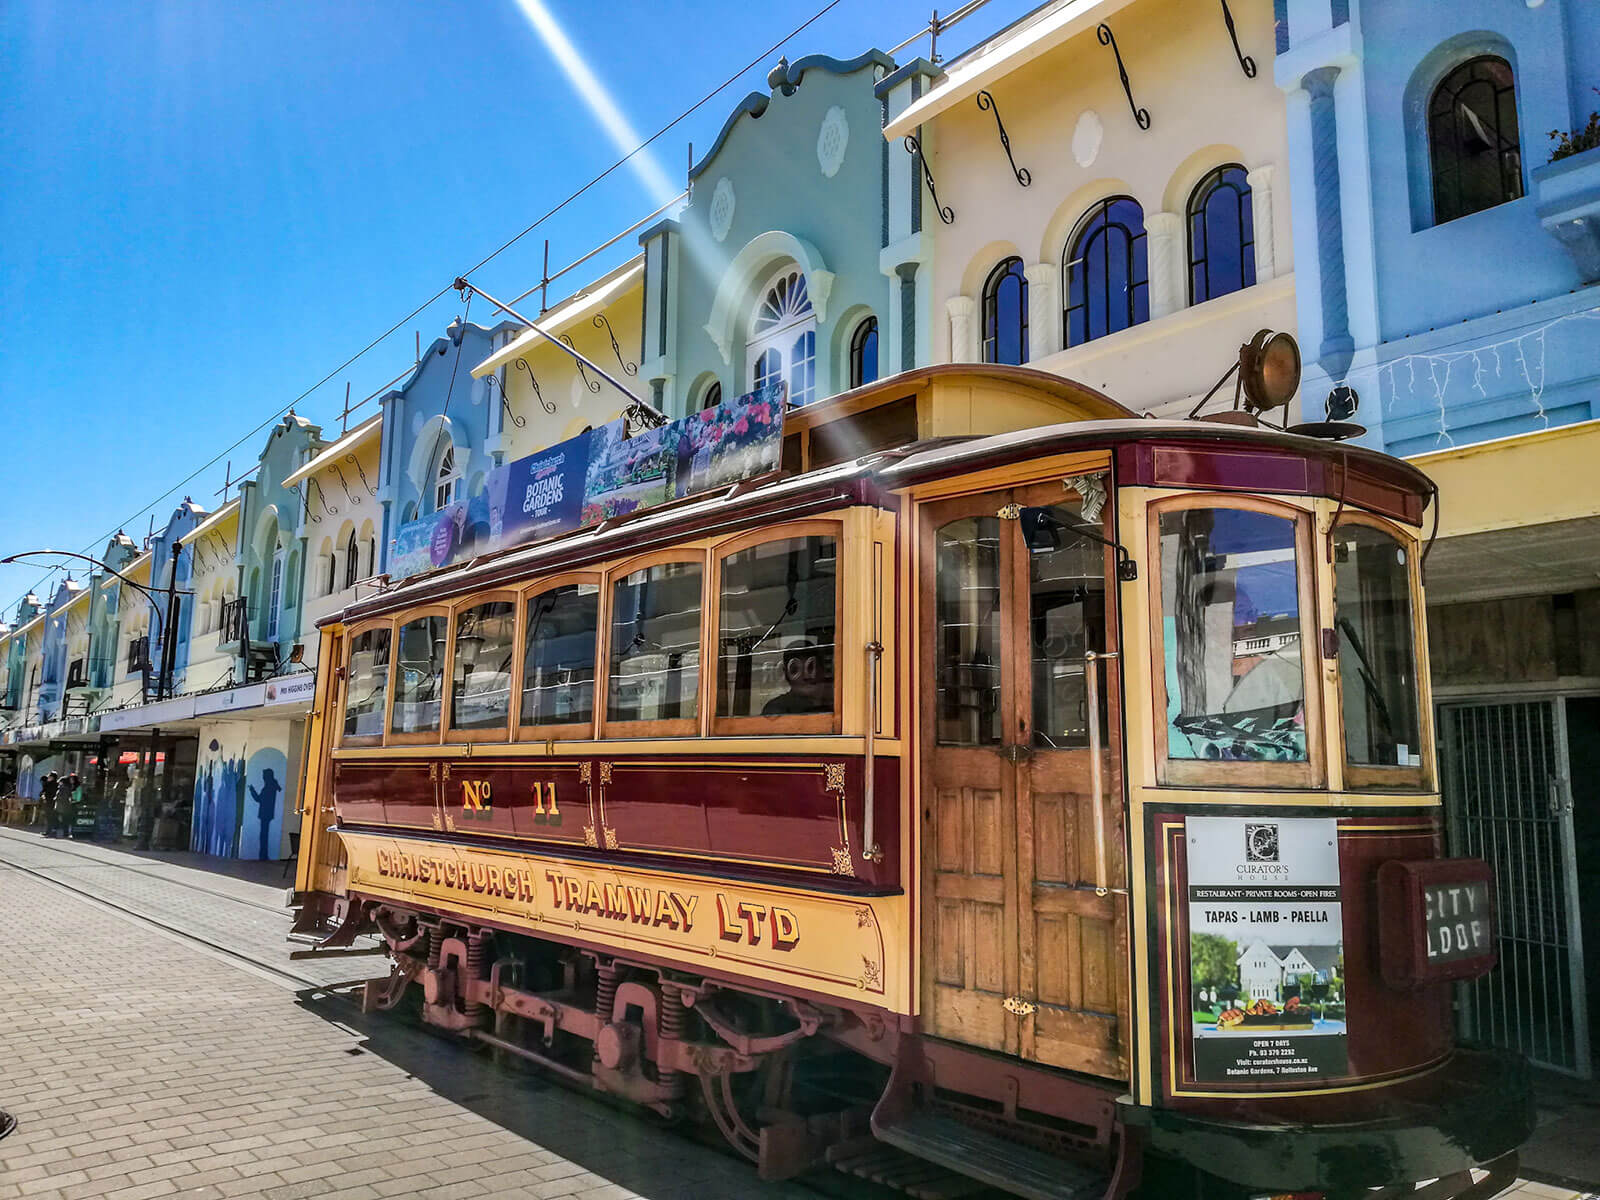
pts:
[141, 1065]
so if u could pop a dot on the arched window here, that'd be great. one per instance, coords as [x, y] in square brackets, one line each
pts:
[1222, 243]
[352, 561]
[328, 577]
[446, 479]
[712, 396]
[275, 597]
[783, 338]
[372, 557]
[1107, 275]
[864, 353]
[1474, 148]
[1005, 314]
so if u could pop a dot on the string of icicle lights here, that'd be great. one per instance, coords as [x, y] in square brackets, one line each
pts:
[1523, 354]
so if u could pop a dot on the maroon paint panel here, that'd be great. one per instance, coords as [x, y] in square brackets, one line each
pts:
[389, 793]
[1247, 469]
[789, 813]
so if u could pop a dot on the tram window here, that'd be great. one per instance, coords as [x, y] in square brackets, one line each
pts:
[1231, 636]
[480, 692]
[775, 648]
[655, 644]
[1377, 658]
[368, 684]
[1066, 617]
[558, 660]
[967, 601]
[419, 675]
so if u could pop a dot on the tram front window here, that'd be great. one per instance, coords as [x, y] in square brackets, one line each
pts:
[369, 684]
[967, 648]
[1066, 617]
[1377, 658]
[558, 661]
[655, 644]
[1231, 636]
[480, 694]
[775, 648]
[419, 676]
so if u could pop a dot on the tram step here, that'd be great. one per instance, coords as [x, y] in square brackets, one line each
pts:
[869, 1158]
[1009, 1166]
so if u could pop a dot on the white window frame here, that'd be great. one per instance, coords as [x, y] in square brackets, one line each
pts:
[779, 325]
[275, 596]
[446, 478]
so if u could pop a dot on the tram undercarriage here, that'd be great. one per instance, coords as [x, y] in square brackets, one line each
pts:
[790, 1084]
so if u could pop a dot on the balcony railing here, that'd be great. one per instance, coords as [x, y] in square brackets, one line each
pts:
[235, 623]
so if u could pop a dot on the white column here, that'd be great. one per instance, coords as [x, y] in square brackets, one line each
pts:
[1044, 310]
[963, 329]
[1167, 262]
[1260, 181]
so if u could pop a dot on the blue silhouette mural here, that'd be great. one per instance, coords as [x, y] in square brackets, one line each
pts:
[239, 797]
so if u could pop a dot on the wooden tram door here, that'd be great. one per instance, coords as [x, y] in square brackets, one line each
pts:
[1021, 955]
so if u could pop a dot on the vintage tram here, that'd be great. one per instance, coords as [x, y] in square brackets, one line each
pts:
[1008, 791]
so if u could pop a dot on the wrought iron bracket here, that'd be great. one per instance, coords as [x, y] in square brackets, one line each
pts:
[522, 365]
[987, 104]
[1141, 116]
[914, 147]
[1246, 63]
[512, 415]
[592, 384]
[360, 470]
[601, 321]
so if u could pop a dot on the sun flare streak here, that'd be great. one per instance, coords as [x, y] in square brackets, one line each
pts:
[594, 94]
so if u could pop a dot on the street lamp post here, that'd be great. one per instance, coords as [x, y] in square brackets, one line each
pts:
[168, 650]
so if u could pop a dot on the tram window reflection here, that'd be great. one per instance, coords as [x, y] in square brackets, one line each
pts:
[775, 653]
[655, 644]
[368, 684]
[1231, 636]
[1066, 618]
[967, 632]
[480, 693]
[558, 662]
[419, 675]
[1377, 657]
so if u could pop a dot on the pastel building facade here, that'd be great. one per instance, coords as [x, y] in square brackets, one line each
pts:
[1448, 260]
[773, 268]
[1130, 238]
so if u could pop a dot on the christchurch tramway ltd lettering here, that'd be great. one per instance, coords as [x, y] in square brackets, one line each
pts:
[490, 879]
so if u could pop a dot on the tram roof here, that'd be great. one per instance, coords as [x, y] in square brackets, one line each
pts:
[871, 479]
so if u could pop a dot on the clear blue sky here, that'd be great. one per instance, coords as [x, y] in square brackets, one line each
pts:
[207, 207]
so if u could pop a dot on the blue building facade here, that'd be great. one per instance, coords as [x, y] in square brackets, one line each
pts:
[1449, 260]
[443, 430]
[1447, 234]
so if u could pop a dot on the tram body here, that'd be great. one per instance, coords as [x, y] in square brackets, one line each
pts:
[1013, 787]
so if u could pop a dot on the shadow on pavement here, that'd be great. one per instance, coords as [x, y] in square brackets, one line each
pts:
[617, 1142]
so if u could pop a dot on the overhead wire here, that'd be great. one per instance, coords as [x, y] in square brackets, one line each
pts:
[753, 62]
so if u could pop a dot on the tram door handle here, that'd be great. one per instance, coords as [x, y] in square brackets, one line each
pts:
[1016, 753]
[1560, 797]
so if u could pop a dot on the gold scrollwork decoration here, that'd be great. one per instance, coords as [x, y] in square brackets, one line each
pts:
[611, 839]
[605, 772]
[1009, 512]
[1019, 1006]
[842, 865]
[833, 777]
[589, 838]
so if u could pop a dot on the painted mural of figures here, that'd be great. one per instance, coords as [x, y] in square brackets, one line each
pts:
[204, 810]
[225, 822]
[266, 798]
[236, 834]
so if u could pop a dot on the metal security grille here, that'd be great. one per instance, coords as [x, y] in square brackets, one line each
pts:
[1506, 802]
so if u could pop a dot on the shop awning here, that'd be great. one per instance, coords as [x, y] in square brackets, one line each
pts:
[1517, 515]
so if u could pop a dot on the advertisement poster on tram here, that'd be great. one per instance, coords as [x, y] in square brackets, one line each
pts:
[1266, 949]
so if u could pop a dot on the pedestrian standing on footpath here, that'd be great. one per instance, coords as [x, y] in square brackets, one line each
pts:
[47, 801]
[68, 794]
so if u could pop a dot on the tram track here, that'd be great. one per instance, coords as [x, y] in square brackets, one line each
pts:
[156, 875]
[833, 1185]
